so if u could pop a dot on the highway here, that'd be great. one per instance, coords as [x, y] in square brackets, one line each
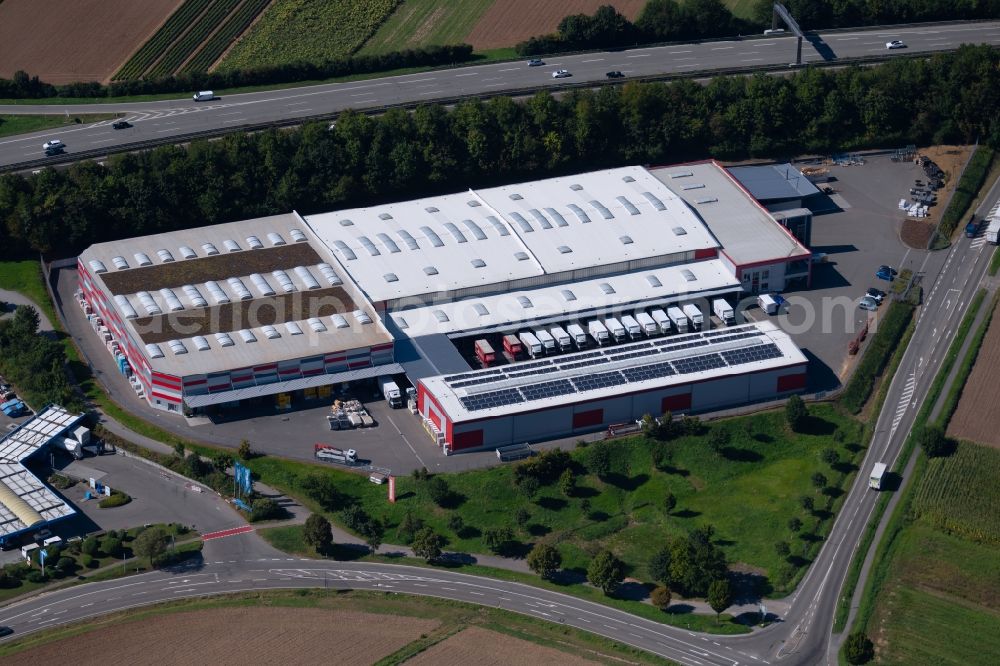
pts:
[163, 120]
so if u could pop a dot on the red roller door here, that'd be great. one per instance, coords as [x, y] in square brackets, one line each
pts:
[791, 383]
[672, 403]
[589, 418]
[468, 440]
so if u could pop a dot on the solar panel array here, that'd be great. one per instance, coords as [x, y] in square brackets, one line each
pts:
[630, 363]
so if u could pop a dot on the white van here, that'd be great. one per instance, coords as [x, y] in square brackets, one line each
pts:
[203, 96]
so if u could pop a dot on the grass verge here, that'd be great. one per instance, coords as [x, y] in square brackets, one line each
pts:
[17, 124]
[886, 338]
[965, 193]
[994, 263]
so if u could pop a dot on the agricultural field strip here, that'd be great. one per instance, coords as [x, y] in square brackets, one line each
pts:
[238, 22]
[182, 49]
[166, 35]
[538, 597]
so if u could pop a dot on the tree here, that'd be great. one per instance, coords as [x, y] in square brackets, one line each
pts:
[179, 450]
[718, 440]
[660, 596]
[521, 516]
[409, 526]
[438, 490]
[606, 571]
[544, 560]
[933, 441]
[662, 454]
[794, 524]
[669, 503]
[585, 507]
[818, 480]
[244, 452]
[427, 544]
[858, 649]
[498, 539]
[796, 413]
[221, 462]
[598, 459]
[89, 546]
[151, 543]
[111, 546]
[194, 466]
[455, 523]
[567, 483]
[374, 533]
[829, 456]
[720, 596]
[659, 565]
[782, 549]
[528, 486]
[318, 533]
[649, 426]
[806, 502]
[65, 565]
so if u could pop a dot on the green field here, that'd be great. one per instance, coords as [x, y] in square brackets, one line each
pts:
[940, 603]
[11, 125]
[424, 22]
[292, 30]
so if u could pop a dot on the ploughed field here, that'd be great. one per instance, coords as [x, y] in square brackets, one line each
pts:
[82, 40]
[976, 417]
[511, 21]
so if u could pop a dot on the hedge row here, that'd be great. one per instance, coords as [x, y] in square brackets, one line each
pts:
[968, 186]
[889, 332]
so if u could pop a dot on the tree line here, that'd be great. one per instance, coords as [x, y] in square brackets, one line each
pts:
[25, 86]
[35, 364]
[364, 160]
[673, 20]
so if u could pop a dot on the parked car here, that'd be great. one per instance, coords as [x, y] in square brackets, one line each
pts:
[121, 124]
[867, 303]
[615, 75]
[875, 294]
[561, 74]
[536, 62]
[887, 273]
[895, 44]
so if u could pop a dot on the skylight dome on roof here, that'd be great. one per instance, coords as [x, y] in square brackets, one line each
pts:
[478, 263]
[430, 270]
[275, 238]
[98, 266]
[362, 317]
[339, 321]
[270, 332]
[119, 263]
[231, 245]
[164, 255]
[254, 243]
[200, 343]
[209, 249]
[525, 302]
[607, 288]
[388, 242]
[143, 259]
[297, 235]
[187, 252]
[224, 339]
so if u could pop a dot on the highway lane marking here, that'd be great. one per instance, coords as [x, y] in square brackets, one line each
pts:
[295, 103]
[751, 60]
[488, 85]
[422, 80]
[493, 78]
[516, 69]
[583, 61]
[640, 55]
[682, 66]
[843, 39]
[723, 48]
[468, 74]
[100, 141]
[238, 119]
[435, 92]
[86, 605]
[139, 594]
[688, 51]
[240, 113]
[450, 589]
[170, 129]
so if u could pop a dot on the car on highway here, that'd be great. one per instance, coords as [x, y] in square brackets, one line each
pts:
[6, 631]
[536, 62]
[895, 44]
[615, 75]
[53, 147]
[561, 74]
[867, 303]
[203, 96]
[875, 294]
[887, 273]
[121, 124]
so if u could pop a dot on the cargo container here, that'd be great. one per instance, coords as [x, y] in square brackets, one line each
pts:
[485, 353]
[563, 339]
[615, 328]
[768, 304]
[632, 327]
[599, 332]
[575, 331]
[512, 345]
[724, 311]
[694, 315]
[548, 342]
[677, 318]
[531, 344]
[993, 230]
[649, 327]
[662, 320]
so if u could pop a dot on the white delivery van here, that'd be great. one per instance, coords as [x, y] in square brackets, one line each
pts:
[677, 318]
[575, 331]
[531, 344]
[649, 326]
[632, 327]
[724, 311]
[878, 475]
[615, 328]
[662, 320]
[203, 96]
[694, 315]
[767, 304]
[562, 338]
[548, 342]
[598, 332]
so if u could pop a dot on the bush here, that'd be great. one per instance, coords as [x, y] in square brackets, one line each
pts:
[117, 498]
[66, 565]
[37, 577]
[438, 490]
[606, 572]
[89, 546]
[88, 561]
[265, 508]
[965, 192]
[498, 539]
[858, 649]
[880, 349]
[796, 413]
[660, 597]
[934, 442]
[111, 546]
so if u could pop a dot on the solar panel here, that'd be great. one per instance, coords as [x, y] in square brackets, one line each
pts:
[600, 380]
[538, 371]
[583, 364]
[547, 389]
[644, 372]
[686, 366]
[477, 382]
[636, 354]
[475, 403]
[751, 354]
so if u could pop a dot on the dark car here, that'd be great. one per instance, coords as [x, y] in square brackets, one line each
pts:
[121, 124]
[615, 75]
[887, 273]
[6, 631]
[876, 294]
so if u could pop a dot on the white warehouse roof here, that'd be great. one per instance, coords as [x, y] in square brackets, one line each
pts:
[591, 375]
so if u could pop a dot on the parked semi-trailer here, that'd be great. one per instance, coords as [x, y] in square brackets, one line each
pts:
[531, 344]
[599, 332]
[563, 339]
[677, 318]
[662, 320]
[512, 345]
[615, 328]
[649, 327]
[724, 311]
[631, 327]
[993, 230]
[548, 342]
[485, 353]
[694, 315]
[575, 331]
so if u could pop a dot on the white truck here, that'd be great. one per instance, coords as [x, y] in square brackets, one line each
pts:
[575, 331]
[878, 475]
[391, 392]
[649, 327]
[662, 320]
[724, 311]
[694, 315]
[631, 327]
[78, 442]
[548, 342]
[531, 344]
[993, 229]
[562, 338]
[767, 304]
[599, 332]
[615, 328]
[335, 455]
[677, 318]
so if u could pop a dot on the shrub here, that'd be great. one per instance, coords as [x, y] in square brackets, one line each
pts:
[89, 546]
[660, 596]
[66, 565]
[796, 413]
[858, 649]
[37, 577]
[117, 498]
[438, 490]
[456, 523]
[427, 544]
[111, 546]
[317, 533]
[265, 508]
[934, 442]
[88, 561]
[880, 349]
[498, 539]
[521, 516]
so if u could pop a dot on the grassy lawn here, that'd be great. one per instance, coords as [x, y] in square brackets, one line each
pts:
[995, 263]
[25, 277]
[10, 125]
[422, 22]
[290, 540]
[453, 616]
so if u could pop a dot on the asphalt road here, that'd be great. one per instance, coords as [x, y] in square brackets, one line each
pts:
[172, 118]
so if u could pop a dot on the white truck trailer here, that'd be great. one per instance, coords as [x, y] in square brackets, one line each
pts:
[548, 342]
[662, 320]
[649, 327]
[575, 331]
[562, 338]
[677, 318]
[632, 327]
[598, 331]
[993, 229]
[694, 315]
[391, 392]
[616, 329]
[724, 311]
[531, 344]
[767, 304]
[877, 477]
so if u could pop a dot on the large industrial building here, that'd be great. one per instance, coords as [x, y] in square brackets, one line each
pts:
[283, 306]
